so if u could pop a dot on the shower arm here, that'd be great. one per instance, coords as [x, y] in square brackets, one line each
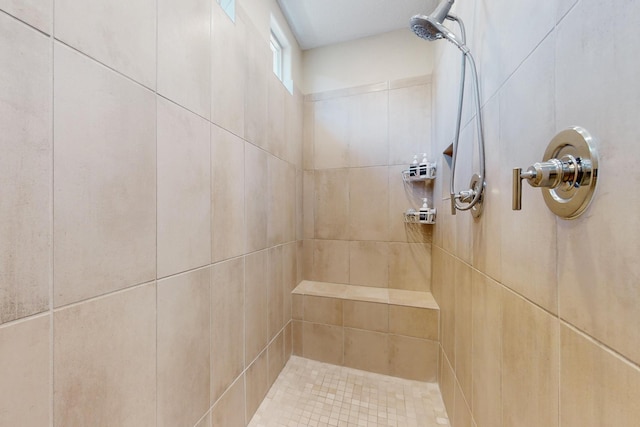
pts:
[472, 194]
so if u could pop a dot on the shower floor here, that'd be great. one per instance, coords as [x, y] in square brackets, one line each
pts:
[310, 393]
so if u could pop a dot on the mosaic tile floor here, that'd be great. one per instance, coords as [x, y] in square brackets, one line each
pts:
[310, 393]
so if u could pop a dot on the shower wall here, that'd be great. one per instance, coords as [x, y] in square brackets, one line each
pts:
[356, 144]
[540, 314]
[151, 174]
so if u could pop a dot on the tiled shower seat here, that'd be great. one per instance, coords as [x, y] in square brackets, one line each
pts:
[388, 331]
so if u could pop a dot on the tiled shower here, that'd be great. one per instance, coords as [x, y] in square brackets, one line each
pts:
[163, 194]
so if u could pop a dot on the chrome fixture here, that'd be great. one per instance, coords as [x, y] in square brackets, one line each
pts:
[430, 27]
[567, 174]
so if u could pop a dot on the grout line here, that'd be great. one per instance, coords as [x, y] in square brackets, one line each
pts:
[52, 227]
[44, 33]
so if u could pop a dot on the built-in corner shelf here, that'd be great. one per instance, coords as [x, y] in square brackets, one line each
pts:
[412, 216]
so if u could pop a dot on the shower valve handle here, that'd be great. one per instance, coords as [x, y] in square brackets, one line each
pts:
[550, 174]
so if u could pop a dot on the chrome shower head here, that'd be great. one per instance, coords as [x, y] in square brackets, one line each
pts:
[430, 27]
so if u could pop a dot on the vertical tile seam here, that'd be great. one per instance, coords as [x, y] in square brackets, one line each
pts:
[155, 91]
[52, 216]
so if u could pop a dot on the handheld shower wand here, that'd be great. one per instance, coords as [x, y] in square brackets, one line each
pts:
[431, 28]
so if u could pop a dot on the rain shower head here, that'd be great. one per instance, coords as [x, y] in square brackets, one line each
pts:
[430, 27]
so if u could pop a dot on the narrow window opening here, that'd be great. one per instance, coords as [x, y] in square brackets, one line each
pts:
[281, 51]
[276, 50]
[229, 6]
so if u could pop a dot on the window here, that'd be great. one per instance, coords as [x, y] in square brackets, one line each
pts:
[276, 50]
[281, 50]
[229, 6]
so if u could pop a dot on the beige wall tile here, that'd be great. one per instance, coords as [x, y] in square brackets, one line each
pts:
[444, 293]
[206, 421]
[297, 337]
[486, 353]
[229, 411]
[290, 201]
[308, 121]
[305, 255]
[121, 36]
[256, 206]
[183, 348]
[276, 116]
[33, 12]
[256, 314]
[529, 93]
[25, 370]
[414, 322]
[25, 140]
[274, 292]
[487, 230]
[366, 350]
[277, 200]
[331, 204]
[184, 193]
[409, 123]
[447, 384]
[227, 195]
[256, 90]
[597, 261]
[369, 316]
[184, 53]
[276, 357]
[330, 134]
[369, 263]
[308, 203]
[300, 207]
[298, 307]
[413, 358]
[228, 66]
[257, 383]
[597, 387]
[529, 345]
[461, 414]
[327, 311]
[368, 129]
[463, 329]
[227, 324]
[410, 266]
[288, 341]
[105, 136]
[289, 276]
[104, 355]
[321, 342]
[331, 261]
[368, 197]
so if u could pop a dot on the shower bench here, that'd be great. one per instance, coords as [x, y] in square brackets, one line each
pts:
[382, 330]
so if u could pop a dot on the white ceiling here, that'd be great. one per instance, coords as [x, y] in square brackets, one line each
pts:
[322, 22]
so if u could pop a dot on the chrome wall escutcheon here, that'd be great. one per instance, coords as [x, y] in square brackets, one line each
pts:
[567, 174]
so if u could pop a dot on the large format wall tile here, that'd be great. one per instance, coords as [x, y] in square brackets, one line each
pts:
[227, 324]
[256, 201]
[228, 66]
[183, 348]
[34, 12]
[368, 198]
[330, 133]
[105, 361]
[409, 123]
[368, 129]
[275, 296]
[184, 53]
[256, 314]
[529, 93]
[184, 206]
[257, 383]
[598, 269]
[530, 364]
[597, 387]
[105, 180]
[227, 199]
[229, 411]
[25, 164]
[331, 203]
[25, 371]
[369, 263]
[256, 90]
[121, 35]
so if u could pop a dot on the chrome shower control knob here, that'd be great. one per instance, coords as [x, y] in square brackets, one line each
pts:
[567, 175]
